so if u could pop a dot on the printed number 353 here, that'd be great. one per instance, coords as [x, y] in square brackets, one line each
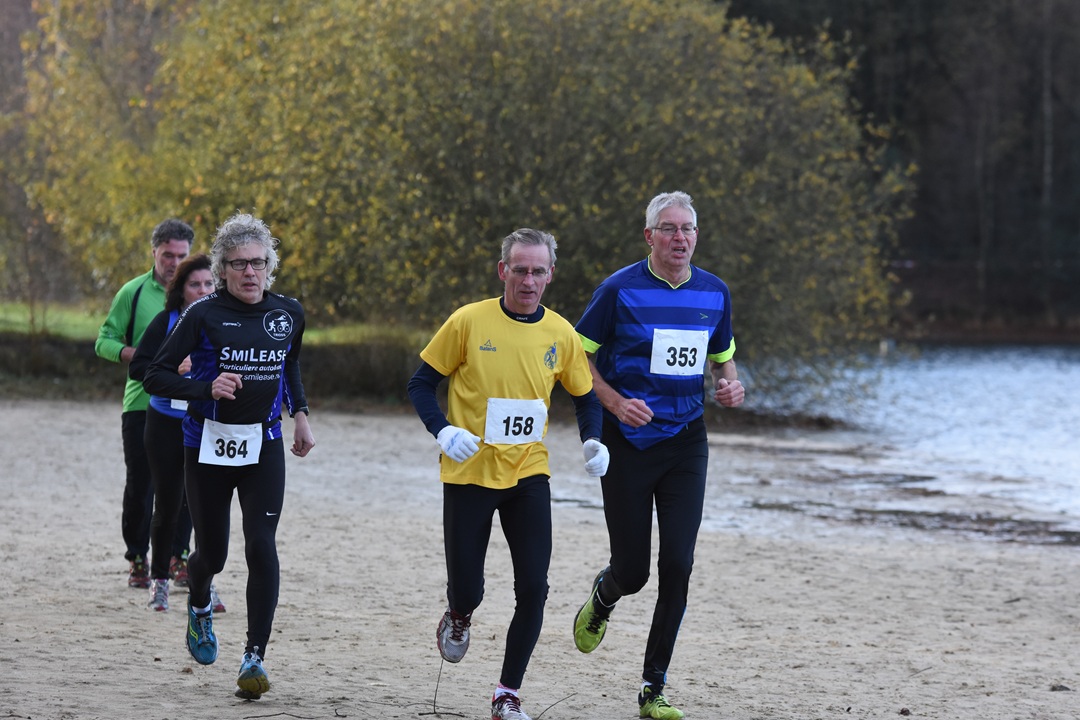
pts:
[682, 357]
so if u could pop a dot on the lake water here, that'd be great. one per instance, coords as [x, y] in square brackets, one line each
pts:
[977, 440]
[1008, 414]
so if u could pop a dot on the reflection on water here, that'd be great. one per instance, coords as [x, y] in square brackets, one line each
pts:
[980, 441]
[998, 420]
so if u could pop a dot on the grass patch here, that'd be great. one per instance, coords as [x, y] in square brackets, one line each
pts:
[74, 322]
[82, 322]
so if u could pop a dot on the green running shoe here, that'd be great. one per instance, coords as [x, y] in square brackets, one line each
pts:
[590, 623]
[201, 641]
[655, 706]
[252, 680]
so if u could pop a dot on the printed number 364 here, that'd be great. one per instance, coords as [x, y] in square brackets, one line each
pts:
[230, 449]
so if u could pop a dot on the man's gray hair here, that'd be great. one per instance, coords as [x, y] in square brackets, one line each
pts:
[238, 231]
[663, 201]
[528, 236]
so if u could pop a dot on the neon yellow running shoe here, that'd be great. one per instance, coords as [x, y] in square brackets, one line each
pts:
[590, 623]
[655, 706]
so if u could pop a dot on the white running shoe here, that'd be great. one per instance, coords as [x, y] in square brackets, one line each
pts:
[452, 636]
[507, 707]
[159, 595]
[215, 601]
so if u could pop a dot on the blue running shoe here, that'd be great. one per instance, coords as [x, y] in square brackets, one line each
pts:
[252, 681]
[201, 641]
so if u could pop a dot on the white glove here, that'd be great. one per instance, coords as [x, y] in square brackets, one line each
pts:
[596, 457]
[458, 444]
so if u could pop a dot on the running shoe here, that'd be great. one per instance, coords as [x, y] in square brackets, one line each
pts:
[252, 680]
[201, 641]
[178, 570]
[159, 595]
[452, 637]
[139, 576]
[655, 706]
[507, 707]
[590, 623]
[215, 602]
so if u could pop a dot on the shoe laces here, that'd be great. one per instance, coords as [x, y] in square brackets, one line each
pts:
[595, 621]
[596, 616]
[252, 659]
[657, 700]
[508, 702]
[458, 625]
[204, 626]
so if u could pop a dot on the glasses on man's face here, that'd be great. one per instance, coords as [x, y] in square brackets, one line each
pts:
[669, 231]
[523, 272]
[240, 265]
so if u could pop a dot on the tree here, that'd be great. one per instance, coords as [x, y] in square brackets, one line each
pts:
[92, 122]
[32, 264]
[392, 147]
[982, 96]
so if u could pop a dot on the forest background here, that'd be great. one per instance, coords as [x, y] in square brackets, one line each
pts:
[863, 169]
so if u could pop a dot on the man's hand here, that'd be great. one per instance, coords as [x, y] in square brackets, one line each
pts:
[634, 412]
[225, 386]
[303, 440]
[596, 457]
[729, 393]
[458, 444]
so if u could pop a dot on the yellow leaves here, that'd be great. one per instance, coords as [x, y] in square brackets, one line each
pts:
[442, 124]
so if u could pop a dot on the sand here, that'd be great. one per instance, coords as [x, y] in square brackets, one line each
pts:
[791, 616]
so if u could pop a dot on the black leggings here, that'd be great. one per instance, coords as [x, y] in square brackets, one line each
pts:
[138, 490]
[170, 528]
[525, 515]
[672, 473]
[261, 490]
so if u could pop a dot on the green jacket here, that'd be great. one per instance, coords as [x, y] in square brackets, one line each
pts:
[111, 337]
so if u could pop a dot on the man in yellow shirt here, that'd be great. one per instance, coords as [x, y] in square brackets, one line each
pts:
[502, 357]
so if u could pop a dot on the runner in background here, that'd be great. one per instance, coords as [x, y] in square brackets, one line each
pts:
[133, 307]
[164, 439]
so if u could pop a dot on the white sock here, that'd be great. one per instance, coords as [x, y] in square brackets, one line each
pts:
[202, 611]
[501, 690]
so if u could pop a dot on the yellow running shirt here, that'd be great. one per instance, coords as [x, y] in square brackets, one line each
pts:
[501, 374]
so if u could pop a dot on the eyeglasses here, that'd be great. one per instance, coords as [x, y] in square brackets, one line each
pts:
[537, 273]
[669, 231]
[240, 265]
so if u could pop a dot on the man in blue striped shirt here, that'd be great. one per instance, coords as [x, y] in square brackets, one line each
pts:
[650, 330]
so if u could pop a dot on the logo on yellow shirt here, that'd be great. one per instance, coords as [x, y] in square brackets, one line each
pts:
[550, 357]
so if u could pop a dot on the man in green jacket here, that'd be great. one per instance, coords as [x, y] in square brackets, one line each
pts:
[135, 305]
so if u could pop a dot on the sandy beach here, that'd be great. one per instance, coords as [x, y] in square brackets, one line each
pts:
[792, 614]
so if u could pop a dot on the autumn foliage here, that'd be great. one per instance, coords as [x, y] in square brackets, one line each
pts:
[391, 145]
